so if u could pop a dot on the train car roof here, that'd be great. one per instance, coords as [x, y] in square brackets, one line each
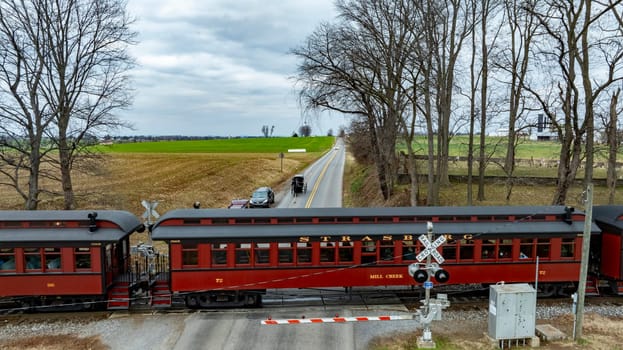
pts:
[524, 211]
[611, 215]
[48, 226]
[286, 231]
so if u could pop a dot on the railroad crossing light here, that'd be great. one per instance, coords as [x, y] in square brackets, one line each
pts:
[568, 217]
[441, 275]
[419, 274]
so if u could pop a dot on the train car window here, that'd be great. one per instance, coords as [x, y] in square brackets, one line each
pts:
[345, 220]
[303, 253]
[285, 253]
[286, 220]
[327, 252]
[32, 259]
[368, 252]
[345, 252]
[190, 255]
[219, 254]
[387, 251]
[82, 258]
[448, 250]
[261, 221]
[39, 224]
[466, 249]
[262, 253]
[364, 219]
[52, 259]
[526, 249]
[243, 253]
[7, 259]
[11, 224]
[487, 251]
[408, 251]
[326, 220]
[567, 248]
[543, 248]
[505, 249]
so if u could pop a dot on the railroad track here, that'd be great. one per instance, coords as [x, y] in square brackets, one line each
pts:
[460, 300]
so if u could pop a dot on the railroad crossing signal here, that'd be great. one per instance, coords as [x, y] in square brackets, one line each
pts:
[150, 211]
[430, 248]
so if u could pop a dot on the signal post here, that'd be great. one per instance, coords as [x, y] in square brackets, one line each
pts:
[421, 273]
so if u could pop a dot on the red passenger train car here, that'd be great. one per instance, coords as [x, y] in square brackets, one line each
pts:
[220, 256]
[50, 258]
[224, 257]
[607, 248]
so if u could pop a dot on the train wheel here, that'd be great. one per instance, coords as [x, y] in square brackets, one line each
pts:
[250, 300]
[548, 290]
[204, 301]
[192, 301]
[253, 300]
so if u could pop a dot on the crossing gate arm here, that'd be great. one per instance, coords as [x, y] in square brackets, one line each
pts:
[337, 319]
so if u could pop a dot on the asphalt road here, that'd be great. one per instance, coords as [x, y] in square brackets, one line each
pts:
[243, 329]
[324, 183]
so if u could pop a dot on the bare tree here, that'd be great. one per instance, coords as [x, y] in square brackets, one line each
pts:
[514, 60]
[80, 48]
[446, 24]
[568, 26]
[356, 67]
[25, 117]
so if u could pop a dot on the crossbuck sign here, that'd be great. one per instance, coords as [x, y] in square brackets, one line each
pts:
[150, 211]
[430, 248]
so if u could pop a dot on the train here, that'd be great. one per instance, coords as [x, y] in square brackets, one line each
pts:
[85, 259]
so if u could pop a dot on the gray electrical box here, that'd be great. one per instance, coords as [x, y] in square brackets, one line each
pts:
[512, 311]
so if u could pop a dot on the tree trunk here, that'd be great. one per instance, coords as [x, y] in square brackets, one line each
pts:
[32, 199]
[65, 154]
[613, 146]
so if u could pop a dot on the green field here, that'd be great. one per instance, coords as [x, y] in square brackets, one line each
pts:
[496, 147]
[234, 145]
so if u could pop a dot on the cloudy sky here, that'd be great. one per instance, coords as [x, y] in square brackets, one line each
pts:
[221, 67]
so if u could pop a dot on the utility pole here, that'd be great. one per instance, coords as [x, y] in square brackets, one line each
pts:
[586, 244]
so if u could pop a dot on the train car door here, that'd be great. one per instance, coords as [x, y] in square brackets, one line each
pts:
[108, 264]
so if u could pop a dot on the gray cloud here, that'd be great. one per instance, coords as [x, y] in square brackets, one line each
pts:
[220, 67]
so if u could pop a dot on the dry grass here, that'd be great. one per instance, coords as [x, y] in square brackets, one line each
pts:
[599, 333]
[361, 189]
[121, 181]
[55, 342]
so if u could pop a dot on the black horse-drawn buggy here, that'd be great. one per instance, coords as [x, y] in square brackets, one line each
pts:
[298, 185]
